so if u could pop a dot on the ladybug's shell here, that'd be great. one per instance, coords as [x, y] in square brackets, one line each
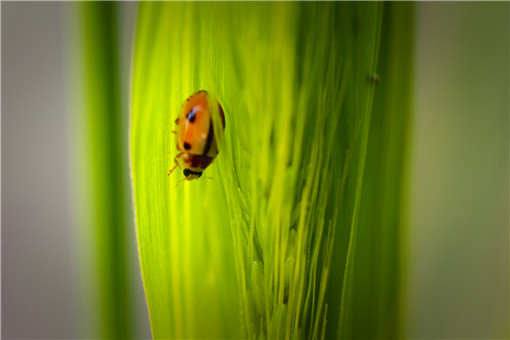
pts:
[195, 133]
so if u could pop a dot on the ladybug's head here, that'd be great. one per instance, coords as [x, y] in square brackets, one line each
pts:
[190, 174]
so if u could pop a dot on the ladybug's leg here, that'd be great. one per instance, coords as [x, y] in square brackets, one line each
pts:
[179, 155]
[174, 132]
[180, 181]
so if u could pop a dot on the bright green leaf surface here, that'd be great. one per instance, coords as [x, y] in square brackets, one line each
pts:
[267, 249]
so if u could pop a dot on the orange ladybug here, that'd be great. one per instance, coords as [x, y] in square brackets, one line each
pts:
[195, 134]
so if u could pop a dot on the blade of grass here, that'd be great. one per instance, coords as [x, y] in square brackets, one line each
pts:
[106, 167]
[185, 249]
[374, 302]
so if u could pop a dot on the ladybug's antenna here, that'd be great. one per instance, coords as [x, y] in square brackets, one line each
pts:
[180, 181]
[208, 177]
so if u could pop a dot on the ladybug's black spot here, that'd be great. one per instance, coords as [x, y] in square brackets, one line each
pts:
[187, 146]
[191, 116]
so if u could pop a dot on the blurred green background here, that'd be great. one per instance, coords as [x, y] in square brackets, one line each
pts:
[458, 191]
[457, 198]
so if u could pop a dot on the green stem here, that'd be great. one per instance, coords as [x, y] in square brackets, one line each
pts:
[107, 150]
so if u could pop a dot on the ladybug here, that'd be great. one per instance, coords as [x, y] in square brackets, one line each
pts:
[195, 135]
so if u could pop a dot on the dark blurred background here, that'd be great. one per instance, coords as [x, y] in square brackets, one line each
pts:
[458, 194]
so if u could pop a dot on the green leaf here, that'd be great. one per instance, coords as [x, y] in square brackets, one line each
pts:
[267, 249]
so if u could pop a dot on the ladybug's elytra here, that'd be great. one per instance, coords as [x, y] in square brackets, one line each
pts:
[195, 134]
